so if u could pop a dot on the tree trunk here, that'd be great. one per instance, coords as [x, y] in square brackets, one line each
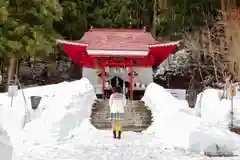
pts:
[12, 70]
[163, 4]
[232, 3]
[154, 19]
[222, 5]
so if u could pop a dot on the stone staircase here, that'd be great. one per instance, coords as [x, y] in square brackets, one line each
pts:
[137, 117]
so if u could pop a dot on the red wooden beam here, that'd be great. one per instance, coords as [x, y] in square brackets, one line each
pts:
[131, 81]
[103, 77]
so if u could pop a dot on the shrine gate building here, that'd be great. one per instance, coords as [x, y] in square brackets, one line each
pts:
[125, 57]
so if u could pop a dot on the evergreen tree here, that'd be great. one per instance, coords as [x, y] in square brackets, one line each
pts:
[27, 29]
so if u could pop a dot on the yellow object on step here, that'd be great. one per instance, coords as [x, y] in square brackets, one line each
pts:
[117, 127]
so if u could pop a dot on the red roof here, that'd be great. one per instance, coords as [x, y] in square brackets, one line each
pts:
[118, 39]
[134, 43]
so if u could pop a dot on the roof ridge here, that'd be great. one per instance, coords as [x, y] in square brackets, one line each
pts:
[118, 30]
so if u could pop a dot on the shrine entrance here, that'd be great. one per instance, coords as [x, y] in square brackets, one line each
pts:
[118, 81]
[119, 65]
[133, 51]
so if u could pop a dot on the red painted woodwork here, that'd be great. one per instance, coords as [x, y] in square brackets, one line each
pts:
[79, 55]
[117, 40]
[131, 82]
[103, 77]
[120, 40]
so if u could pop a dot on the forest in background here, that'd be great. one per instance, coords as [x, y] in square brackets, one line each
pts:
[29, 29]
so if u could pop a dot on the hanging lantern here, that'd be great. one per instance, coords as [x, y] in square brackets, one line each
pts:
[143, 86]
[121, 70]
[107, 84]
[116, 70]
[107, 69]
[134, 85]
[134, 73]
[110, 69]
[138, 84]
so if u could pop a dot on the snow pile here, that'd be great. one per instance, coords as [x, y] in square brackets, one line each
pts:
[22, 101]
[6, 148]
[236, 112]
[178, 127]
[210, 102]
[11, 119]
[69, 107]
[156, 95]
[86, 132]
[236, 108]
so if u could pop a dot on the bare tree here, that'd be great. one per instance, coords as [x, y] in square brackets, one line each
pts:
[212, 54]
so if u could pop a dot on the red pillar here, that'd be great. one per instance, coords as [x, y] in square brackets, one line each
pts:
[103, 79]
[131, 80]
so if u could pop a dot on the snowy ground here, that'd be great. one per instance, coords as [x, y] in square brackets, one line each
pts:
[99, 145]
[60, 129]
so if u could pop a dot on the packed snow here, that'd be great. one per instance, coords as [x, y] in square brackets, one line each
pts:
[178, 125]
[213, 102]
[6, 148]
[60, 128]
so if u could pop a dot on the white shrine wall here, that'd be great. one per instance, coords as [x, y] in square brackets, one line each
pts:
[141, 80]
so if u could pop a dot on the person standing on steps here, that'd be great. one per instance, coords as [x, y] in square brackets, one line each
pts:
[117, 103]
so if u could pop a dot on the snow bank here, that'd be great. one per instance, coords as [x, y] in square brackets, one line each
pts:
[210, 102]
[20, 103]
[177, 125]
[236, 108]
[69, 107]
[156, 95]
[6, 149]
[62, 108]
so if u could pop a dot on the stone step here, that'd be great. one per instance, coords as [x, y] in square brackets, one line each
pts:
[123, 122]
[125, 107]
[137, 103]
[124, 125]
[105, 103]
[96, 119]
[125, 117]
[126, 128]
[141, 111]
[137, 117]
[141, 108]
[125, 113]
[145, 121]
